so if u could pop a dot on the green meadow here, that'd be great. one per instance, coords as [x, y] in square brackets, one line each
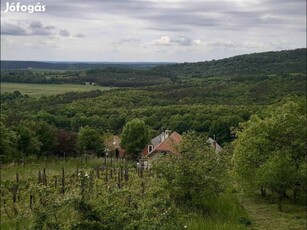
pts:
[47, 89]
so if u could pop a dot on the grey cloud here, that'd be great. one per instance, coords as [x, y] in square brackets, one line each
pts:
[168, 28]
[177, 16]
[36, 24]
[49, 27]
[183, 41]
[64, 33]
[179, 19]
[222, 44]
[94, 8]
[12, 29]
[80, 35]
[128, 40]
[283, 1]
[233, 45]
[35, 28]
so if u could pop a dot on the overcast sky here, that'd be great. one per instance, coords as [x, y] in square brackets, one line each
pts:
[151, 30]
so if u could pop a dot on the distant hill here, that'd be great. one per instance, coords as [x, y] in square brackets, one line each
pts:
[248, 67]
[75, 65]
[280, 62]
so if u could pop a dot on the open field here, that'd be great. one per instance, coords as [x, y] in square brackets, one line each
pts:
[46, 89]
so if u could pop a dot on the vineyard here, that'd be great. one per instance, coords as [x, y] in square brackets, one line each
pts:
[97, 193]
[68, 193]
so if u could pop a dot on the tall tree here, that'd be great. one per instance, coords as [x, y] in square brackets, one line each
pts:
[66, 142]
[134, 137]
[46, 135]
[8, 141]
[28, 142]
[90, 141]
[195, 175]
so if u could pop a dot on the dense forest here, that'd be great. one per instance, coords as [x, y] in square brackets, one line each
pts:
[257, 64]
[181, 102]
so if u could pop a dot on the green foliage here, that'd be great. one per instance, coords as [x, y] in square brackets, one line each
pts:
[257, 65]
[277, 174]
[287, 61]
[89, 202]
[209, 97]
[90, 141]
[134, 137]
[46, 135]
[66, 142]
[27, 138]
[8, 139]
[271, 148]
[196, 175]
[28, 142]
[126, 209]
[187, 189]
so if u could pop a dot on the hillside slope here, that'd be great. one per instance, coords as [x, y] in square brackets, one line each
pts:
[281, 62]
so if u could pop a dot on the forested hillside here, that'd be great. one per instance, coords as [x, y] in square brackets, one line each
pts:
[186, 100]
[281, 62]
[60, 174]
[276, 66]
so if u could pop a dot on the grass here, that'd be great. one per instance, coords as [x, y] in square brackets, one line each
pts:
[264, 213]
[47, 89]
[226, 213]
[232, 211]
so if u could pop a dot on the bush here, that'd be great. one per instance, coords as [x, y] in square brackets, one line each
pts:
[196, 174]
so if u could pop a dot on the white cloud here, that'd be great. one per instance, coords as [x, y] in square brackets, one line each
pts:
[197, 42]
[165, 41]
[176, 41]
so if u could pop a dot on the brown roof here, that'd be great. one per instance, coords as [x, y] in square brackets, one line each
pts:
[169, 144]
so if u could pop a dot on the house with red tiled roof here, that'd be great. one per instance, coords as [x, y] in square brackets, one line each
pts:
[167, 142]
[164, 143]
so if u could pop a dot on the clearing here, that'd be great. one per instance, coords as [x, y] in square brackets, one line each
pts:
[47, 89]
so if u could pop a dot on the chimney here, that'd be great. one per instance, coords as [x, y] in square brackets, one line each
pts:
[214, 145]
